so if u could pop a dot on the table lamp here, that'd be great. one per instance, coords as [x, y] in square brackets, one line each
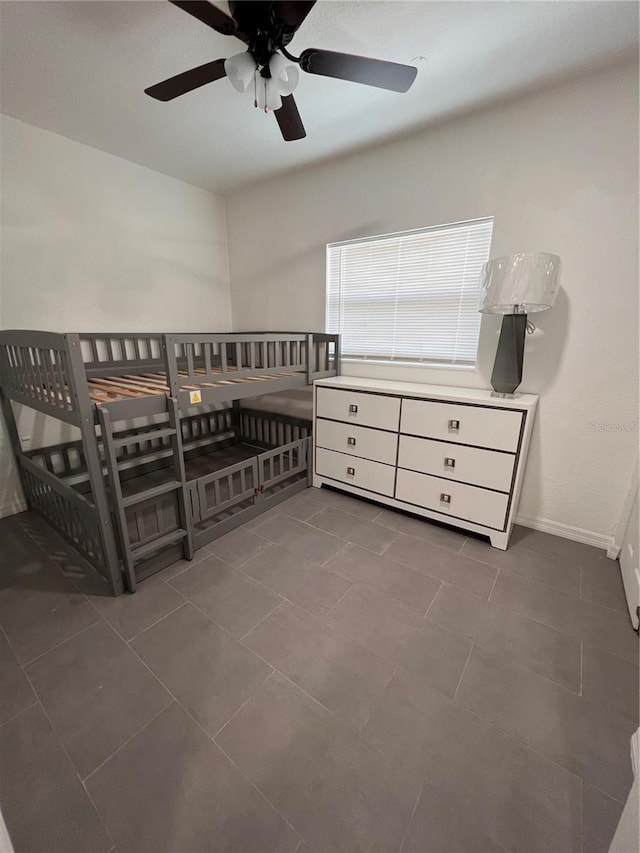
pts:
[515, 286]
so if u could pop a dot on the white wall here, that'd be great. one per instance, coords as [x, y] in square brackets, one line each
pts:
[91, 242]
[559, 172]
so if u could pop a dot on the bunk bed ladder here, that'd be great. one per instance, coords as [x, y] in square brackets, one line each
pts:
[132, 554]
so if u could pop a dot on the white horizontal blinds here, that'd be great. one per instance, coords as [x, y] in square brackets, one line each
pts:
[411, 296]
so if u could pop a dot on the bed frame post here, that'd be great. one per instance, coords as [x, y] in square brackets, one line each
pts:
[170, 364]
[337, 355]
[16, 444]
[82, 404]
[311, 353]
[235, 419]
[178, 461]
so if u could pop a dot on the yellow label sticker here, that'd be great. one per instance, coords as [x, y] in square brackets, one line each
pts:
[195, 397]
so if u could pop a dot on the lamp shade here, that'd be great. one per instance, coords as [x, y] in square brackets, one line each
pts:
[240, 70]
[519, 284]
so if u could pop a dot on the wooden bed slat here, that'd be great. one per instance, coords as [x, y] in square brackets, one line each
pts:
[133, 386]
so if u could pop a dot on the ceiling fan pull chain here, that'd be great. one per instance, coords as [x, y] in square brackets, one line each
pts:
[255, 89]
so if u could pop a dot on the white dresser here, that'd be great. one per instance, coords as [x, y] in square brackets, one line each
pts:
[456, 455]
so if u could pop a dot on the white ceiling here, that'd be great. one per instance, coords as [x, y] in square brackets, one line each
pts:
[80, 68]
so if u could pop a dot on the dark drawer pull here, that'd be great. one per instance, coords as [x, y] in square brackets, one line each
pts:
[351, 441]
[449, 462]
[351, 472]
[353, 409]
[454, 424]
[446, 499]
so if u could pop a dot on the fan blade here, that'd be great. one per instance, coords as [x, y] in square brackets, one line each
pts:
[209, 15]
[293, 12]
[289, 120]
[359, 69]
[187, 81]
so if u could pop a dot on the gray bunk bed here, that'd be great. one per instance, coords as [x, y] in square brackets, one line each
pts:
[170, 451]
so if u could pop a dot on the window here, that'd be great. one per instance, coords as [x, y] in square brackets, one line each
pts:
[410, 297]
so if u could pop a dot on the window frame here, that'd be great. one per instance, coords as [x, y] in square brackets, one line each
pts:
[418, 361]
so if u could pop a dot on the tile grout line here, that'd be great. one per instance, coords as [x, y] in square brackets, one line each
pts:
[559, 631]
[377, 702]
[341, 720]
[383, 552]
[20, 713]
[431, 603]
[581, 666]
[339, 551]
[237, 711]
[412, 815]
[256, 788]
[493, 585]
[546, 558]
[580, 583]
[582, 850]
[622, 614]
[342, 597]
[464, 669]
[153, 624]
[517, 739]
[282, 596]
[127, 741]
[503, 657]
[190, 564]
[260, 621]
[525, 667]
[66, 640]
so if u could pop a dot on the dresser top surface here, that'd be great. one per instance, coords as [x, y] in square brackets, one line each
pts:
[437, 392]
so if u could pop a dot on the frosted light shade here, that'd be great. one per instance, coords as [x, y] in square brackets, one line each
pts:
[240, 70]
[268, 94]
[284, 73]
[519, 284]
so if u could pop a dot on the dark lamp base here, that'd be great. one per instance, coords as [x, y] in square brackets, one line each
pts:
[507, 367]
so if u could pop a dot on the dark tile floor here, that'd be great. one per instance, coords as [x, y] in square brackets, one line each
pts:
[333, 676]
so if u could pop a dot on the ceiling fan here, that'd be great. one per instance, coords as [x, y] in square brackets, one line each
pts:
[267, 28]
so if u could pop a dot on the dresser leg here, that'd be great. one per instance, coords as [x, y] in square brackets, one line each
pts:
[499, 540]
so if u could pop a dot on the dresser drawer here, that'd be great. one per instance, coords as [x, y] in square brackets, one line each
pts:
[487, 468]
[481, 426]
[466, 502]
[372, 476]
[374, 410]
[357, 441]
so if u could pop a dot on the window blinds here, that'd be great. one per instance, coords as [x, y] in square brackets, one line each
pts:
[411, 296]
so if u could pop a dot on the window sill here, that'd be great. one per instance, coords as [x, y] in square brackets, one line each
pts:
[424, 365]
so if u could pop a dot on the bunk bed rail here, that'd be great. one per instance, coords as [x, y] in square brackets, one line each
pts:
[75, 517]
[116, 353]
[63, 374]
[35, 369]
[198, 359]
[325, 356]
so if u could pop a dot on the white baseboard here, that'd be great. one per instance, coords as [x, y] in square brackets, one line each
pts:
[12, 507]
[568, 531]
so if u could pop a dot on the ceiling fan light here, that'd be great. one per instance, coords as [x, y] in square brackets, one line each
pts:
[285, 73]
[240, 70]
[268, 94]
